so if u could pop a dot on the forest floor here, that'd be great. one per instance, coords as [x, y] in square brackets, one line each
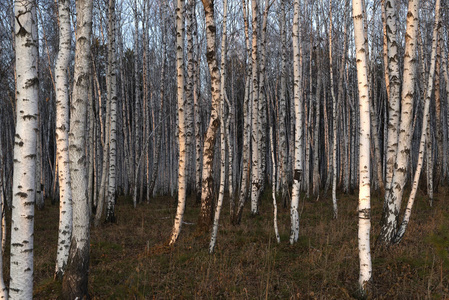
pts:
[130, 259]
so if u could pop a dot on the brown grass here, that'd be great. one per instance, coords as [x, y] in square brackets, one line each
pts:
[130, 259]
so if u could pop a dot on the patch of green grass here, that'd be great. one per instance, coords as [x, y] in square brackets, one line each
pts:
[440, 242]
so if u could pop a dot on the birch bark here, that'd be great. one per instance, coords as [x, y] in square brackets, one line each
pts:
[112, 98]
[255, 140]
[23, 187]
[283, 110]
[246, 127]
[393, 98]
[395, 194]
[62, 138]
[182, 166]
[297, 79]
[364, 207]
[75, 280]
[205, 218]
[400, 232]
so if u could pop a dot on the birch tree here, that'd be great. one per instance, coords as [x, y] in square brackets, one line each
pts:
[223, 136]
[255, 140]
[364, 207]
[205, 218]
[112, 99]
[298, 168]
[62, 138]
[273, 189]
[283, 110]
[395, 194]
[246, 126]
[182, 167]
[74, 284]
[23, 188]
[424, 133]
[393, 95]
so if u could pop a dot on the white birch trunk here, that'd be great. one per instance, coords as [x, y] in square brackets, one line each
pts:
[75, 280]
[364, 207]
[213, 238]
[246, 127]
[273, 189]
[182, 182]
[223, 136]
[62, 139]
[23, 187]
[255, 155]
[205, 218]
[426, 117]
[189, 90]
[298, 168]
[395, 194]
[112, 98]
[283, 111]
[393, 97]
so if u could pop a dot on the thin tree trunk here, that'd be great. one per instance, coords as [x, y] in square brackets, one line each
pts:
[394, 195]
[75, 280]
[393, 98]
[62, 139]
[364, 208]
[246, 128]
[334, 123]
[112, 98]
[439, 130]
[255, 147]
[182, 140]
[298, 168]
[426, 117]
[205, 218]
[273, 189]
[154, 172]
[283, 111]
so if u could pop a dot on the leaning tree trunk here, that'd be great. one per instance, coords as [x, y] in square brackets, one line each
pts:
[395, 194]
[62, 139]
[364, 209]
[23, 187]
[75, 280]
[400, 233]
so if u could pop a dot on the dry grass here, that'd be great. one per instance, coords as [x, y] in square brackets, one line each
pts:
[130, 259]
